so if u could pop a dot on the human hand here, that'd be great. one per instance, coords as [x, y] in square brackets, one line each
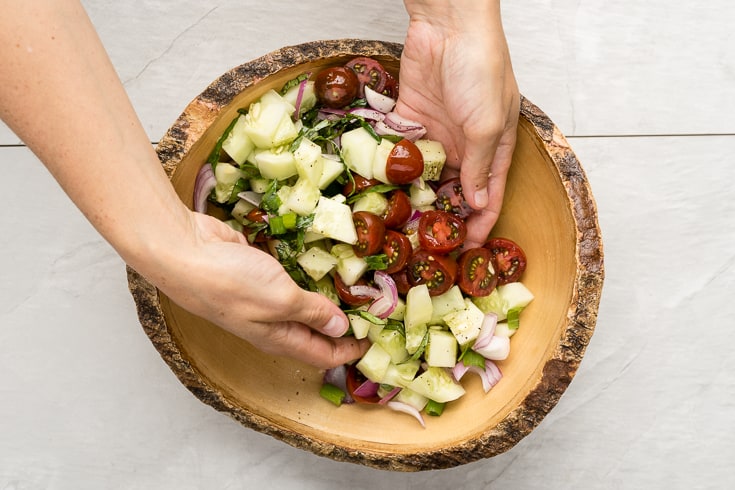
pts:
[247, 292]
[456, 78]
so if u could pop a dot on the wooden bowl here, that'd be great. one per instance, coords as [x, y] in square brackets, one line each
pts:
[549, 210]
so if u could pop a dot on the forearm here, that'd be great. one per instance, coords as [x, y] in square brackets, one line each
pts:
[62, 97]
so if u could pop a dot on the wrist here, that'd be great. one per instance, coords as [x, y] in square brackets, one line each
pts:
[455, 14]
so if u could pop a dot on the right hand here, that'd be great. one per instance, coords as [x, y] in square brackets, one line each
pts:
[456, 78]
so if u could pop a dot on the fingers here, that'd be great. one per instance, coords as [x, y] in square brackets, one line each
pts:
[299, 342]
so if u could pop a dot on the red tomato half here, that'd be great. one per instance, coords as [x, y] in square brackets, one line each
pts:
[437, 271]
[369, 72]
[336, 86]
[449, 198]
[370, 233]
[440, 231]
[357, 184]
[398, 249]
[391, 86]
[477, 272]
[257, 215]
[343, 291]
[354, 379]
[405, 163]
[401, 280]
[399, 210]
[510, 259]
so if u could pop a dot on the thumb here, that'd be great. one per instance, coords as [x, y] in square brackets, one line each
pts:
[475, 171]
[319, 313]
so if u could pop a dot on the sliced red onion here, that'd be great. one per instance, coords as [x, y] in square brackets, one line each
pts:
[486, 331]
[337, 376]
[390, 395]
[203, 186]
[459, 370]
[366, 113]
[406, 408]
[300, 96]
[413, 222]
[395, 121]
[489, 376]
[497, 348]
[383, 129]
[383, 306]
[329, 110]
[367, 291]
[378, 101]
[367, 389]
[254, 198]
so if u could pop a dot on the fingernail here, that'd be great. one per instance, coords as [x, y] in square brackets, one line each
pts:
[335, 327]
[481, 198]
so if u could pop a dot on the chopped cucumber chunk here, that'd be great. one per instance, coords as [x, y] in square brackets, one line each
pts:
[275, 163]
[238, 144]
[418, 314]
[445, 303]
[441, 349]
[360, 326]
[331, 169]
[374, 363]
[308, 97]
[317, 262]
[309, 161]
[401, 374]
[394, 344]
[358, 151]
[437, 384]
[380, 160]
[421, 196]
[268, 122]
[465, 324]
[410, 397]
[303, 198]
[334, 220]
[434, 158]
[372, 202]
[226, 176]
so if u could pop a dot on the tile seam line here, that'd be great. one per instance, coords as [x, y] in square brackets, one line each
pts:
[578, 136]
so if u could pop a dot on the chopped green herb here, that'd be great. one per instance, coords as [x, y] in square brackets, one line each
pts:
[514, 317]
[293, 82]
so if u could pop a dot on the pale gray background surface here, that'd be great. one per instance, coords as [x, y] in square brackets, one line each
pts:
[643, 90]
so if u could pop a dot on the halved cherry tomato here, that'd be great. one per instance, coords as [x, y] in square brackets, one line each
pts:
[370, 233]
[343, 291]
[401, 280]
[398, 249]
[399, 210]
[257, 215]
[510, 258]
[437, 271]
[369, 72]
[336, 86]
[354, 379]
[357, 184]
[449, 197]
[477, 272]
[390, 88]
[405, 163]
[440, 231]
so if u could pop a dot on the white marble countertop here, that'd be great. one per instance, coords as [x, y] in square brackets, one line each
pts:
[645, 93]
